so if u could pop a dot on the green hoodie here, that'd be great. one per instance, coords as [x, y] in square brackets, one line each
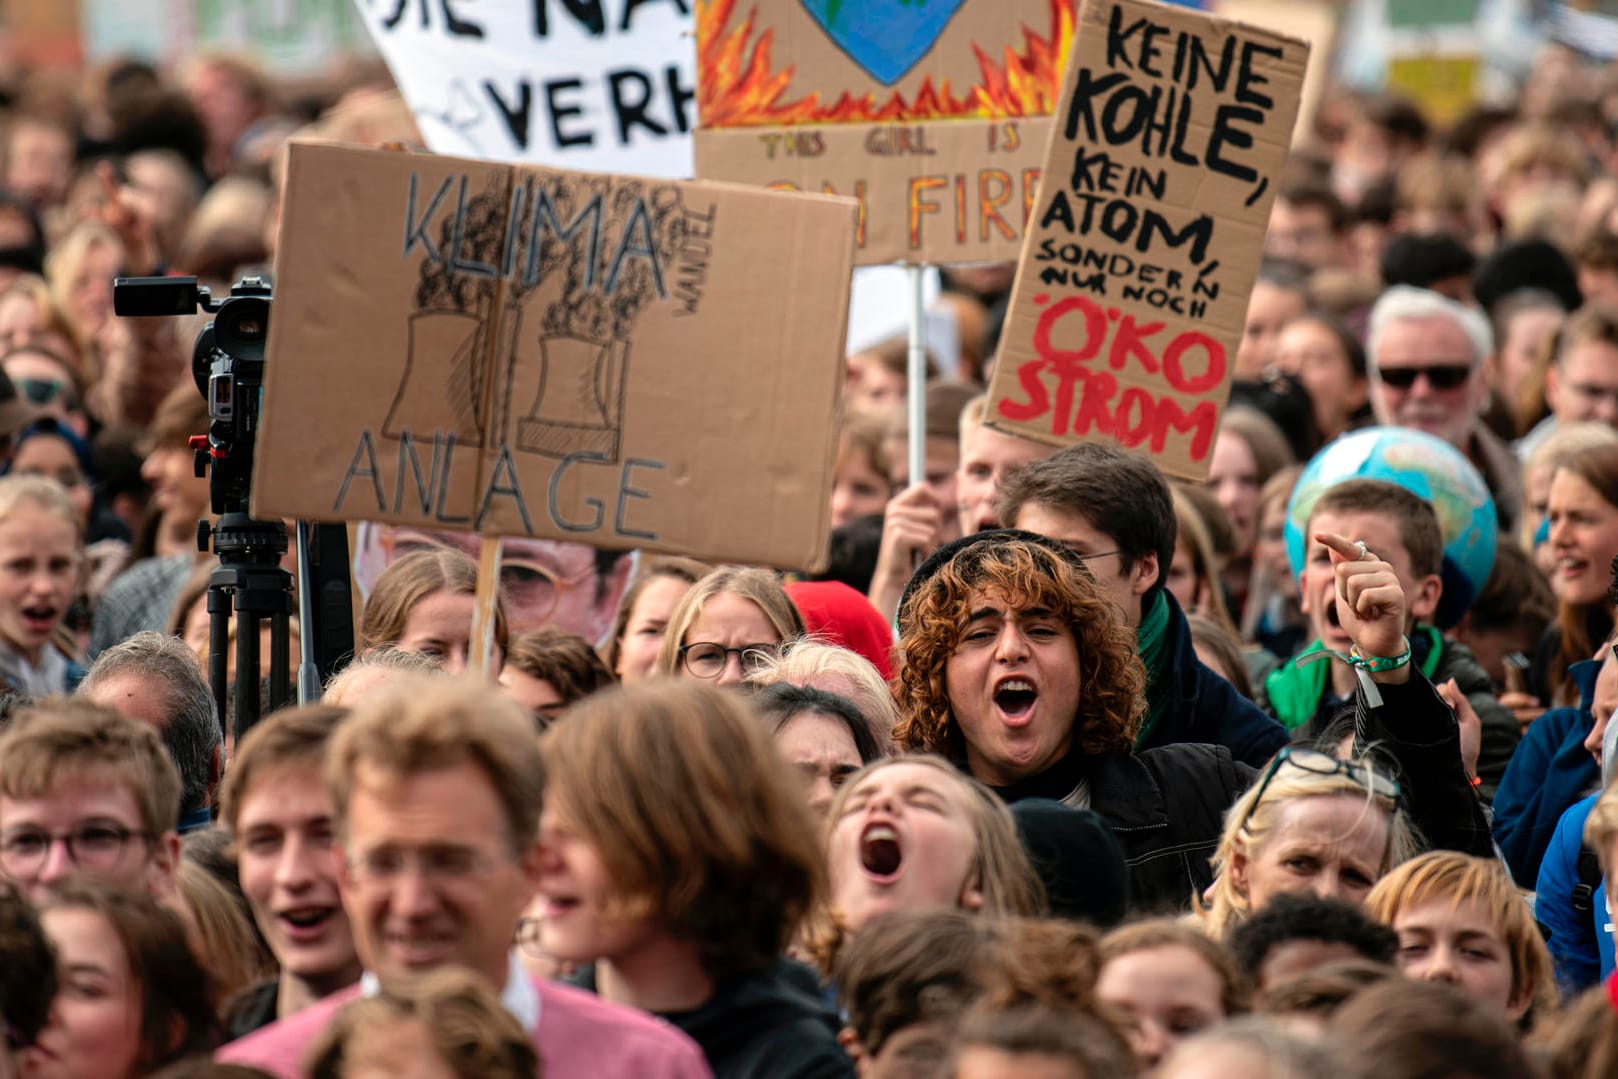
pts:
[1296, 688]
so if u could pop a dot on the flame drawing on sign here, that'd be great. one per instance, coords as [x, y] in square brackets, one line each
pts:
[738, 84]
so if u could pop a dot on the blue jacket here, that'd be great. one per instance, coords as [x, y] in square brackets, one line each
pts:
[1206, 708]
[1580, 942]
[1549, 772]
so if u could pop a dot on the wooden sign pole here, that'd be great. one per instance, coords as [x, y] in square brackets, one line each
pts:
[479, 663]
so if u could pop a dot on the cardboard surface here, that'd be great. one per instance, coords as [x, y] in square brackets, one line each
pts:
[1313, 21]
[520, 351]
[1131, 294]
[933, 113]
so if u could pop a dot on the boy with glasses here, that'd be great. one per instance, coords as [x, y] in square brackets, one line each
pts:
[83, 789]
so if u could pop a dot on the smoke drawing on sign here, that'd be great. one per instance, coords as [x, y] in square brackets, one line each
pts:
[569, 261]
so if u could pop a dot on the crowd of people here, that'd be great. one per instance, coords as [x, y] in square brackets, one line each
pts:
[1062, 768]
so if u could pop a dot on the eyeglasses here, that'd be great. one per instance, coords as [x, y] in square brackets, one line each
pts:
[89, 846]
[1323, 764]
[1444, 376]
[1099, 554]
[705, 659]
[441, 867]
[527, 584]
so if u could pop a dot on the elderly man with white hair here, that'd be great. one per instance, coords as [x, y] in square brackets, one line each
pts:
[1427, 356]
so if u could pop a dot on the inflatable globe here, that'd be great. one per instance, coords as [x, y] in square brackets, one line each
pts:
[1432, 469]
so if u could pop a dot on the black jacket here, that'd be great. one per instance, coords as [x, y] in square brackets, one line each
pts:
[1416, 730]
[771, 1023]
[1166, 807]
[1205, 707]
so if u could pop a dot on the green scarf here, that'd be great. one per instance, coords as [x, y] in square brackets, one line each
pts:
[1295, 688]
[1153, 641]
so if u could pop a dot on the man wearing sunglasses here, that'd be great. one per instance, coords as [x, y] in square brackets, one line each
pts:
[1426, 355]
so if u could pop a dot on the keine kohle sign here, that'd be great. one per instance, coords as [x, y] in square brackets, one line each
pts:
[1170, 131]
[523, 351]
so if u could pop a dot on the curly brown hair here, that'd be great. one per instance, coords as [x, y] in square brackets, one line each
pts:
[1029, 573]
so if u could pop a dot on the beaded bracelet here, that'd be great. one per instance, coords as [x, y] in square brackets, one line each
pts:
[1379, 664]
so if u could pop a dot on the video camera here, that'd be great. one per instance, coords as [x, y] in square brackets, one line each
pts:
[227, 364]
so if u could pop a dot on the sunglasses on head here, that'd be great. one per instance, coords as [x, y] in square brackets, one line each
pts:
[1445, 376]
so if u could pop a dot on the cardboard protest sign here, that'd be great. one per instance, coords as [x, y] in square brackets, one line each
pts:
[1131, 294]
[519, 351]
[933, 114]
[585, 84]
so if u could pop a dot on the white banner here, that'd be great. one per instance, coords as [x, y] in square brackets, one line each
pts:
[601, 85]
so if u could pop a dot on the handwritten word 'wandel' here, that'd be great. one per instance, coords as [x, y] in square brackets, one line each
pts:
[1087, 400]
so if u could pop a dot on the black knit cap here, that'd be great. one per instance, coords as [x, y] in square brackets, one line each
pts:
[952, 550]
[1076, 858]
[1529, 264]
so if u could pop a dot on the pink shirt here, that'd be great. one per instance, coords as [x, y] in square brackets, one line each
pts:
[578, 1034]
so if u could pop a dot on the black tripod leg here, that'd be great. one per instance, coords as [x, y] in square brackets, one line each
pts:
[247, 680]
[219, 612]
[280, 646]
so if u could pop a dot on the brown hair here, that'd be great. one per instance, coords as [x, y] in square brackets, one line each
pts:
[1448, 876]
[1000, 865]
[1030, 574]
[1597, 250]
[426, 724]
[468, 1025]
[1190, 526]
[673, 567]
[565, 660]
[683, 774]
[911, 966]
[1418, 527]
[176, 1010]
[1593, 323]
[1320, 992]
[1582, 1041]
[758, 585]
[28, 976]
[409, 580]
[222, 937]
[183, 412]
[1585, 627]
[1221, 641]
[1075, 1035]
[47, 743]
[864, 436]
[1263, 437]
[1234, 993]
[291, 738]
[1407, 1029]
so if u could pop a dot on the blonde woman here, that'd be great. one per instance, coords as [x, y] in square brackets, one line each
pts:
[727, 625]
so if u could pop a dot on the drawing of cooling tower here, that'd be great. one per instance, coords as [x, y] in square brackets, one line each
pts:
[434, 396]
[580, 404]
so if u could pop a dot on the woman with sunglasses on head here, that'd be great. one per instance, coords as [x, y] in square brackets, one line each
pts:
[727, 625]
[1312, 824]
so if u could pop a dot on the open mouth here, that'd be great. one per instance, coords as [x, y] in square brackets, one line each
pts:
[1568, 565]
[880, 853]
[40, 619]
[306, 918]
[1015, 697]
